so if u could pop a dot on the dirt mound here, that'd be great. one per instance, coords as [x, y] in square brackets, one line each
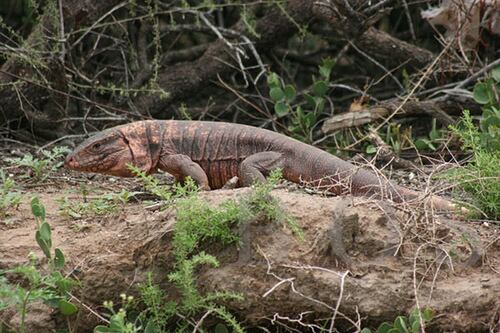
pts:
[360, 260]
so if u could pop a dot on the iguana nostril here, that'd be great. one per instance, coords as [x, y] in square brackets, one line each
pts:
[69, 162]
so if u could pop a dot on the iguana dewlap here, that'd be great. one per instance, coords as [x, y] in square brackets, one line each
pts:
[214, 152]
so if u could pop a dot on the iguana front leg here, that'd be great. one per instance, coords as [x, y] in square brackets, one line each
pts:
[181, 166]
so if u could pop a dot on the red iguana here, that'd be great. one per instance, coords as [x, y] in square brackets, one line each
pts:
[212, 153]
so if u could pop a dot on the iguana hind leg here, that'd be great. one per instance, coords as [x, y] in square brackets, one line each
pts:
[255, 167]
[181, 166]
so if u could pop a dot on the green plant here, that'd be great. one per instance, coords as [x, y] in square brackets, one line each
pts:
[152, 184]
[401, 324]
[51, 288]
[487, 93]
[118, 321]
[260, 203]
[192, 301]
[94, 207]
[429, 143]
[103, 205]
[197, 223]
[480, 177]
[41, 168]
[8, 198]
[303, 117]
[157, 311]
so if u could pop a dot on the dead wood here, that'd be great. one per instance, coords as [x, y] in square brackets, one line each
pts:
[441, 109]
[385, 153]
[384, 47]
[40, 61]
[181, 80]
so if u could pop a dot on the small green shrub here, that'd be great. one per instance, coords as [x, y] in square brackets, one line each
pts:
[480, 177]
[93, 207]
[430, 142]
[51, 288]
[118, 321]
[197, 223]
[259, 203]
[302, 116]
[487, 93]
[40, 168]
[100, 206]
[401, 324]
[167, 194]
[8, 198]
[157, 311]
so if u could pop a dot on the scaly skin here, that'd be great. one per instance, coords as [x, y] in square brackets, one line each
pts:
[213, 152]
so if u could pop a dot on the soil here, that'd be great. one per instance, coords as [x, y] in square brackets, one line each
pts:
[362, 261]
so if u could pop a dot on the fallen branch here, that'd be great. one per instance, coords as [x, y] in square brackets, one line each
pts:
[440, 108]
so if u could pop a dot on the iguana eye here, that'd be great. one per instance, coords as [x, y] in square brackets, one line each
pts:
[96, 145]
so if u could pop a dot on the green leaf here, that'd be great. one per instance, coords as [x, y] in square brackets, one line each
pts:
[481, 93]
[46, 234]
[67, 308]
[152, 327]
[400, 324]
[281, 109]
[37, 208]
[309, 120]
[310, 100]
[320, 104]
[59, 260]
[413, 316]
[370, 149]
[104, 329]
[366, 330]
[276, 94]
[45, 231]
[63, 284]
[53, 302]
[424, 144]
[299, 112]
[290, 93]
[43, 244]
[320, 88]
[220, 328]
[415, 326]
[495, 74]
[434, 134]
[427, 314]
[384, 327]
[273, 80]
[326, 67]
[394, 330]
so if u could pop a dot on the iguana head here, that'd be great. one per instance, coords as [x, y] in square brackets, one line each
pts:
[111, 151]
[107, 152]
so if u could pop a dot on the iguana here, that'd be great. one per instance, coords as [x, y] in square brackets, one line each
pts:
[212, 153]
